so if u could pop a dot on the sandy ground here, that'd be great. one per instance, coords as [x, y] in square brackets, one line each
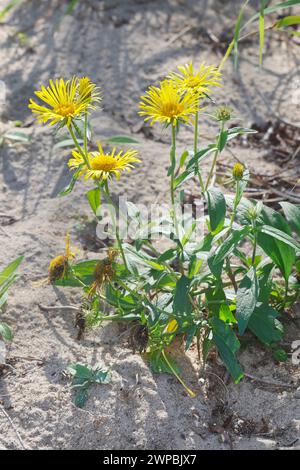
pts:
[124, 46]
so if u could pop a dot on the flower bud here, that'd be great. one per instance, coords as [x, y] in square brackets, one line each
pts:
[224, 113]
[238, 171]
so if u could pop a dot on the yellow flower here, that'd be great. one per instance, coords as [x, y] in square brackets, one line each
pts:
[66, 100]
[101, 165]
[59, 265]
[200, 81]
[166, 105]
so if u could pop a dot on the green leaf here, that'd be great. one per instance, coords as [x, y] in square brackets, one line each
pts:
[237, 32]
[102, 376]
[292, 214]
[66, 143]
[227, 345]
[281, 236]
[265, 282]
[158, 364]
[216, 209]
[222, 140]
[12, 4]
[230, 243]
[246, 299]
[80, 371]
[287, 21]
[272, 9]
[94, 198]
[264, 325]
[7, 272]
[71, 6]
[17, 136]
[280, 252]
[181, 304]
[262, 29]
[183, 158]
[5, 332]
[193, 165]
[81, 397]
[68, 189]
[122, 139]
[226, 314]
[280, 355]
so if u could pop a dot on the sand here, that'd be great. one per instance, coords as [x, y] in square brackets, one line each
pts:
[124, 46]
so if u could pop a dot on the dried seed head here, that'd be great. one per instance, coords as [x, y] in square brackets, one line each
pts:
[139, 338]
[57, 268]
[238, 171]
[104, 271]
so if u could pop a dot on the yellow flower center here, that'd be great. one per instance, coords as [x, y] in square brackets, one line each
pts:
[66, 109]
[103, 163]
[171, 109]
[193, 82]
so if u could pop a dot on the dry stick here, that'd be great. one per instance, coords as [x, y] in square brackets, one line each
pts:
[59, 307]
[266, 382]
[276, 115]
[181, 33]
[13, 426]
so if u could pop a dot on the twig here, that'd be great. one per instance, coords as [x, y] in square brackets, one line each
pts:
[181, 33]
[5, 232]
[13, 426]
[221, 381]
[59, 307]
[272, 384]
[288, 123]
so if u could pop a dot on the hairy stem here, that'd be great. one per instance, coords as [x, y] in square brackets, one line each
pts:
[115, 222]
[196, 150]
[217, 152]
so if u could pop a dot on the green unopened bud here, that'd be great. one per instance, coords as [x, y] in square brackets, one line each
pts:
[238, 171]
[224, 113]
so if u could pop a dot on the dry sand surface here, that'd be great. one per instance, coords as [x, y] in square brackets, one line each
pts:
[124, 46]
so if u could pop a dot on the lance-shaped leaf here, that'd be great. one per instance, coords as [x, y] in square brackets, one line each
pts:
[246, 299]
[182, 305]
[264, 324]
[227, 345]
[229, 244]
[216, 209]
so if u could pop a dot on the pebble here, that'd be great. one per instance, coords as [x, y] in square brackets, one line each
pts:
[297, 393]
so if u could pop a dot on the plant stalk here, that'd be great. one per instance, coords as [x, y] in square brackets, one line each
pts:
[196, 150]
[115, 222]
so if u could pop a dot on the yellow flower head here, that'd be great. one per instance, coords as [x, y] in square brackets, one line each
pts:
[196, 81]
[59, 265]
[101, 165]
[66, 100]
[166, 105]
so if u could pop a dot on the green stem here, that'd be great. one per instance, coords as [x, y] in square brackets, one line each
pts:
[189, 391]
[110, 202]
[254, 246]
[173, 164]
[84, 154]
[235, 205]
[85, 133]
[217, 152]
[196, 150]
